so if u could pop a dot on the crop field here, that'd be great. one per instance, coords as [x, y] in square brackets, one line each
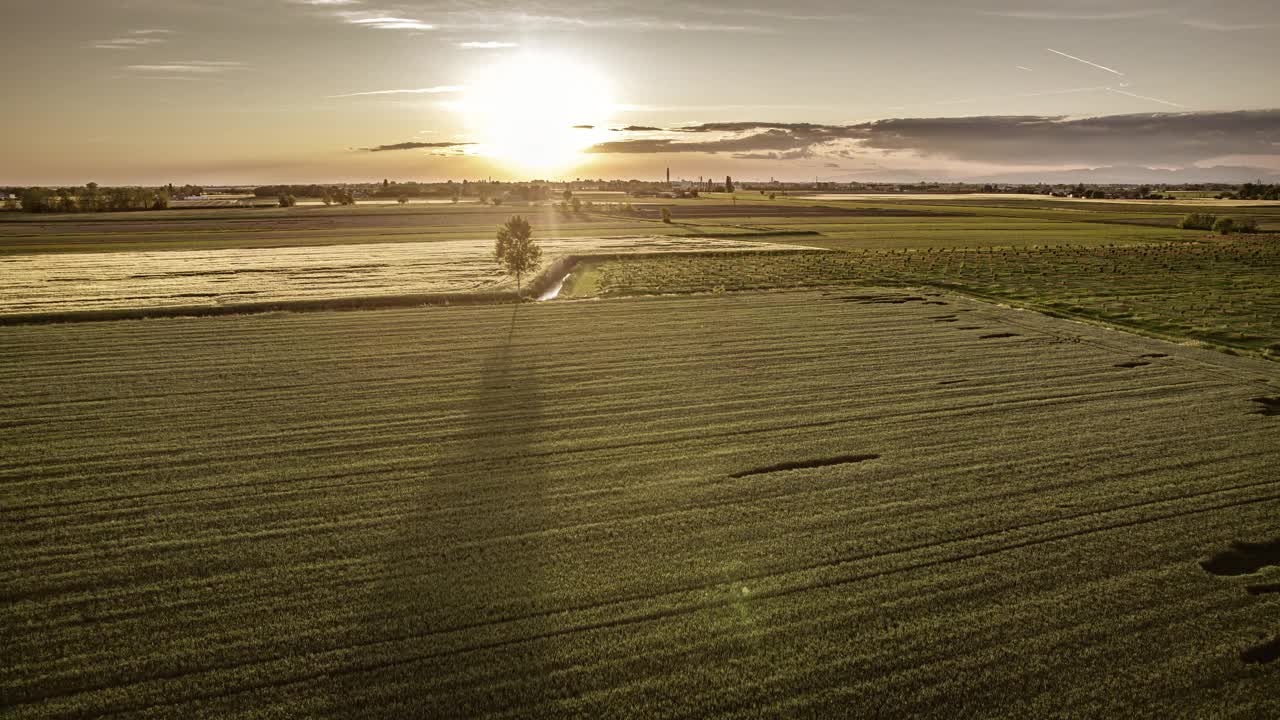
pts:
[302, 226]
[865, 501]
[54, 282]
[1222, 291]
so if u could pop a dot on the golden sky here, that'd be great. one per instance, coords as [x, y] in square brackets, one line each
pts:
[265, 91]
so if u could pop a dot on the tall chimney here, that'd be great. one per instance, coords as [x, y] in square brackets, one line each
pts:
[668, 176]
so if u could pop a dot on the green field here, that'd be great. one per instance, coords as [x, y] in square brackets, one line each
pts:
[1224, 291]
[714, 478]
[748, 505]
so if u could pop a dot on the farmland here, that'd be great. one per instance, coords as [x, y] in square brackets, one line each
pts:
[795, 503]
[61, 282]
[1221, 291]
[775, 458]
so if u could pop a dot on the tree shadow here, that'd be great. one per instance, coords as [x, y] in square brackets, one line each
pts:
[466, 559]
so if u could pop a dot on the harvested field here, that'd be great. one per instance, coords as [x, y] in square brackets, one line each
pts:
[43, 283]
[234, 228]
[771, 504]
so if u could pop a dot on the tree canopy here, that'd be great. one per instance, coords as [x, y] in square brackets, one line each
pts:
[516, 251]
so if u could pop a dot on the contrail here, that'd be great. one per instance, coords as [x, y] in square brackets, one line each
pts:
[1086, 62]
[1145, 97]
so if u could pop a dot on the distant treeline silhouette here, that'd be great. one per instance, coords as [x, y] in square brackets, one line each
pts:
[91, 198]
[1257, 191]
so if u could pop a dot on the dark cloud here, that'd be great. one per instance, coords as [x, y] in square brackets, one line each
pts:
[638, 128]
[744, 126]
[1158, 139]
[417, 145]
[583, 127]
[1164, 138]
[769, 140]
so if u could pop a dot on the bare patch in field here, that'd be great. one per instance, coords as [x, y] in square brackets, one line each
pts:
[1243, 558]
[1269, 406]
[870, 299]
[806, 464]
[1264, 652]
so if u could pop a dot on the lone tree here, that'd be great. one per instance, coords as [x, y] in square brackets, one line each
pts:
[516, 250]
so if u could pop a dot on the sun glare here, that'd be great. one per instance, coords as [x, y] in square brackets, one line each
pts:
[532, 111]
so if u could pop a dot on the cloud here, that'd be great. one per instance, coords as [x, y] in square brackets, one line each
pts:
[799, 154]
[487, 45]
[325, 3]
[638, 128]
[1074, 15]
[1225, 27]
[418, 145]
[391, 23]
[127, 43]
[1159, 139]
[193, 67]
[412, 91]
[584, 127]
[770, 140]
[736, 10]
[142, 38]
[642, 23]
[1167, 139]
[378, 20]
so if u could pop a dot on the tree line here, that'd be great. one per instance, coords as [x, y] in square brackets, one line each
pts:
[1257, 191]
[89, 198]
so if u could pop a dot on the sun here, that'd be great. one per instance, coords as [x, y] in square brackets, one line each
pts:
[536, 112]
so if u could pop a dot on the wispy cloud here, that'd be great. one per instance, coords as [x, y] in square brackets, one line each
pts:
[410, 91]
[191, 67]
[1022, 67]
[126, 43]
[325, 3]
[736, 11]
[487, 45]
[1074, 15]
[418, 146]
[383, 22]
[1086, 62]
[137, 39]
[622, 22]
[1226, 27]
